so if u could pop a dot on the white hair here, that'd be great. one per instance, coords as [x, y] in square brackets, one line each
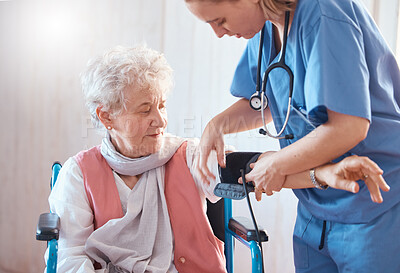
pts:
[107, 77]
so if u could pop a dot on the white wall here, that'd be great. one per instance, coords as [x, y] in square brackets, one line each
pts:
[44, 45]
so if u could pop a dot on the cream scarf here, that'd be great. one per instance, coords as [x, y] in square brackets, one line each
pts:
[134, 166]
[142, 240]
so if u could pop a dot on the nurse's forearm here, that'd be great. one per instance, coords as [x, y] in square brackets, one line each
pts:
[343, 176]
[303, 180]
[327, 142]
[239, 117]
[300, 181]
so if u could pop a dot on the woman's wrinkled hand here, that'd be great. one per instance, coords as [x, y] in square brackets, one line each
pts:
[344, 174]
[211, 139]
[265, 175]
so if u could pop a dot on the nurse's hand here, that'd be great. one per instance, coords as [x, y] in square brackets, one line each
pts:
[344, 174]
[211, 139]
[264, 175]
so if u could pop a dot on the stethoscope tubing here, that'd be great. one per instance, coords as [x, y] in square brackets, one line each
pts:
[280, 64]
[278, 135]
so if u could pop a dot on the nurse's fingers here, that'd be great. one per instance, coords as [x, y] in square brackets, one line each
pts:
[345, 184]
[220, 149]
[373, 173]
[205, 173]
[371, 169]
[204, 178]
[378, 180]
[270, 193]
[370, 165]
[362, 163]
[374, 191]
[248, 177]
[258, 194]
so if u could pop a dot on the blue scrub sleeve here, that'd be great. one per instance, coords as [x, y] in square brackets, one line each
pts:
[337, 75]
[244, 80]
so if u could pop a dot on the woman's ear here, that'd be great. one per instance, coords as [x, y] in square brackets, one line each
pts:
[104, 117]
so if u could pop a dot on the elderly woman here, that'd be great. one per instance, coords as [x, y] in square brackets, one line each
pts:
[136, 202]
[131, 204]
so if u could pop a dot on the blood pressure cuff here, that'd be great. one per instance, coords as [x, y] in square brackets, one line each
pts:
[229, 186]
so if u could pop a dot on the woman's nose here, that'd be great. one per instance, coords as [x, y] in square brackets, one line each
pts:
[159, 118]
[219, 30]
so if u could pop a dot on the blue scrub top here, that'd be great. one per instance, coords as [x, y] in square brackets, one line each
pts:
[340, 62]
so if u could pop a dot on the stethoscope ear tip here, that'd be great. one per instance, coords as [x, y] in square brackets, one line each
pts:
[289, 136]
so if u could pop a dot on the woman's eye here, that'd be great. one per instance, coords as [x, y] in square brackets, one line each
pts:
[144, 111]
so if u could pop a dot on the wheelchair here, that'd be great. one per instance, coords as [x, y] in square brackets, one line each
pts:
[226, 228]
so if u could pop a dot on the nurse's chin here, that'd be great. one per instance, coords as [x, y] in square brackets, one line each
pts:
[248, 36]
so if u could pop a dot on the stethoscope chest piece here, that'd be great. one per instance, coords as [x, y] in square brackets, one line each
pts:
[256, 101]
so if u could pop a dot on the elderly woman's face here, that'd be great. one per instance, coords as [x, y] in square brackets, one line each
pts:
[242, 18]
[139, 129]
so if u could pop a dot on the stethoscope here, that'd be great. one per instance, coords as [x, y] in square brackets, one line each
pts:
[259, 98]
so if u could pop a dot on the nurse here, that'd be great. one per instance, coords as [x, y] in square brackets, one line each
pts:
[346, 99]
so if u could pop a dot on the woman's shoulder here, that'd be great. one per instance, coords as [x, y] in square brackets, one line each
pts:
[69, 181]
[70, 167]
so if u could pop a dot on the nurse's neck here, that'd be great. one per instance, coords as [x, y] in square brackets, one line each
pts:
[278, 22]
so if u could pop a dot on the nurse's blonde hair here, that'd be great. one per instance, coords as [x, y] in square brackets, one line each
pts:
[277, 6]
[268, 6]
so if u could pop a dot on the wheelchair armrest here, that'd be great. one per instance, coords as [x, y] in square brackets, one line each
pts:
[244, 228]
[48, 227]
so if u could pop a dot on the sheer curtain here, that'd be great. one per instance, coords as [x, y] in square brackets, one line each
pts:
[44, 45]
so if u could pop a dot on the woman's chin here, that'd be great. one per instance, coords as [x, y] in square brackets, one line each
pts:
[156, 149]
[154, 144]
